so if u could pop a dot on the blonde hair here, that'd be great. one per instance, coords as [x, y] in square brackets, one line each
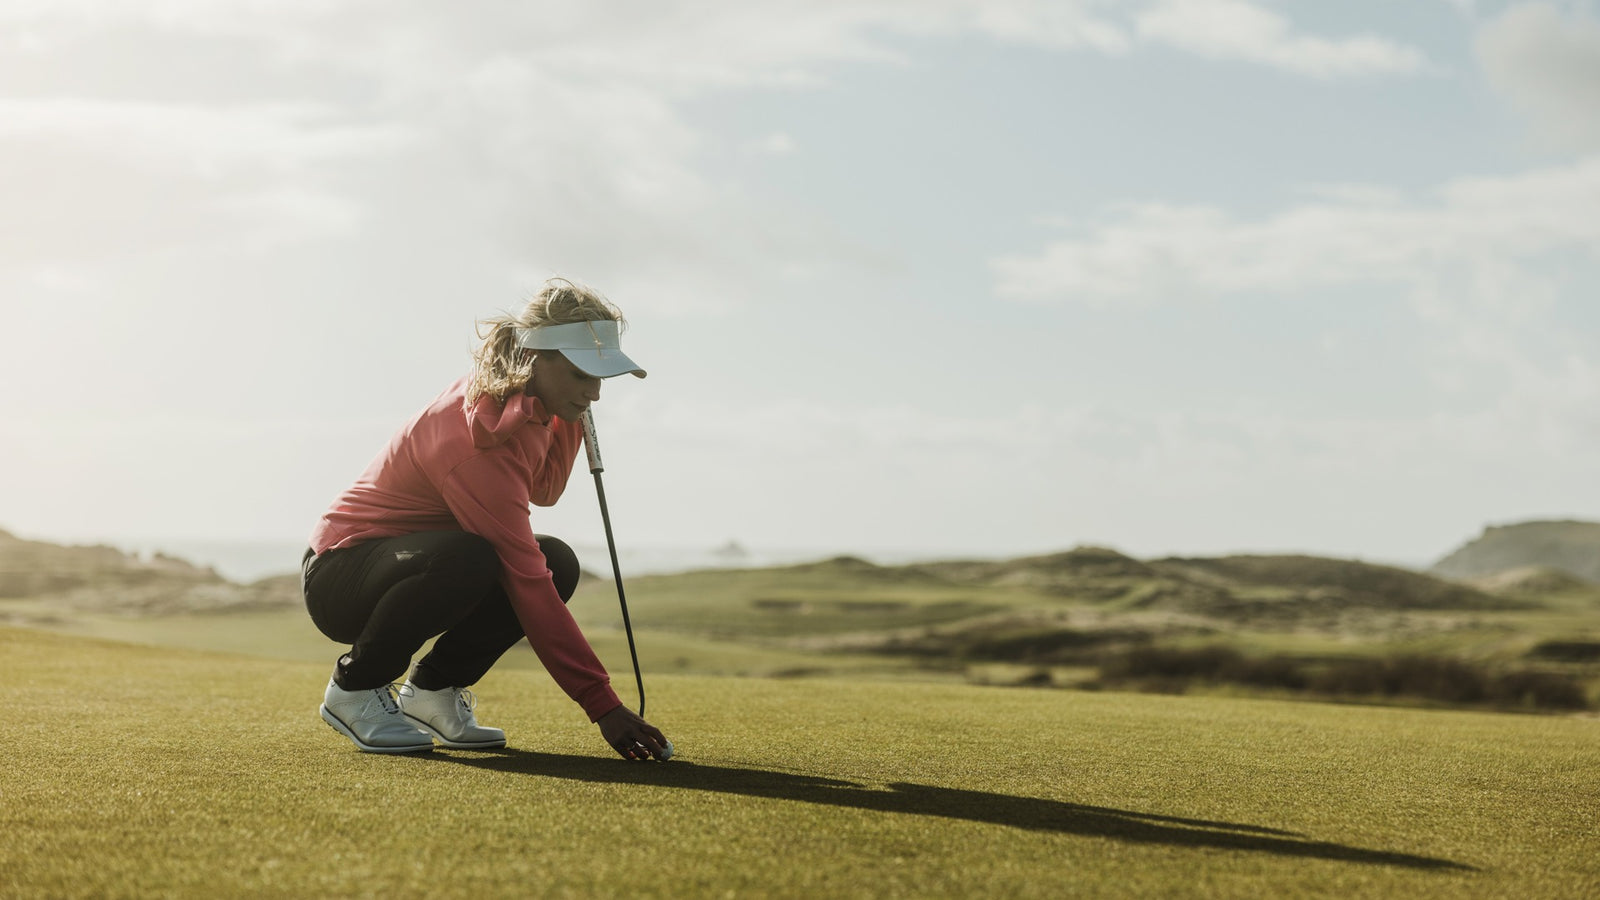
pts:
[500, 366]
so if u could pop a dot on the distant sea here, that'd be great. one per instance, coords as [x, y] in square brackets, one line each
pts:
[246, 561]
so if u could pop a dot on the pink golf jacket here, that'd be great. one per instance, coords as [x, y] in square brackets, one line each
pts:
[475, 468]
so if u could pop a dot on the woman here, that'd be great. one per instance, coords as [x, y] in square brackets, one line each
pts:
[434, 539]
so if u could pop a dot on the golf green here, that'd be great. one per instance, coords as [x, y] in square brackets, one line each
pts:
[140, 771]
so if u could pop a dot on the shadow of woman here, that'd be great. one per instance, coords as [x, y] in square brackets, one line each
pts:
[905, 798]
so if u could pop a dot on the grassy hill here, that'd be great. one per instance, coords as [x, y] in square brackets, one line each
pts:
[1093, 617]
[41, 582]
[139, 771]
[1566, 546]
[1086, 618]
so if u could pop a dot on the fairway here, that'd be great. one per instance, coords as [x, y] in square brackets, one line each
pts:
[140, 771]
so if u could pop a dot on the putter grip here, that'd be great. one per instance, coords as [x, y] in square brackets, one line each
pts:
[591, 444]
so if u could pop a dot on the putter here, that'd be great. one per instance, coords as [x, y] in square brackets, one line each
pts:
[592, 446]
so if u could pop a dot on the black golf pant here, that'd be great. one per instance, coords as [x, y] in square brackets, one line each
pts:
[386, 597]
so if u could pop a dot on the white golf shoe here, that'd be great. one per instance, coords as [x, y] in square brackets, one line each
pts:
[372, 720]
[447, 715]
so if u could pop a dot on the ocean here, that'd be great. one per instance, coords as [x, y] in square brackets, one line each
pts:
[246, 561]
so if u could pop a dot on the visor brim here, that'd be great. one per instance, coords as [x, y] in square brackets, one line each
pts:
[602, 363]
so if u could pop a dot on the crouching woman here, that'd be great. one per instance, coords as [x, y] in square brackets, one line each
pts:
[434, 539]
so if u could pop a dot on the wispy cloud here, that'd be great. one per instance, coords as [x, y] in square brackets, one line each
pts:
[1154, 251]
[702, 43]
[202, 139]
[1481, 264]
[558, 128]
[1546, 61]
[1248, 32]
[92, 179]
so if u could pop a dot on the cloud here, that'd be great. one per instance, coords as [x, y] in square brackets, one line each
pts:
[694, 44]
[777, 143]
[556, 131]
[1494, 271]
[209, 140]
[1151, 251]
[1246, 32]
[1053, 24]
[557, 128]
[1546, 63]
[94, 179]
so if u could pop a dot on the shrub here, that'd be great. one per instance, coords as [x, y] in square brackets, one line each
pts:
[1215, 664]
[1540, 690]
[1432, 678]
[1567, 651]
[1425, 677]
[1169, 662]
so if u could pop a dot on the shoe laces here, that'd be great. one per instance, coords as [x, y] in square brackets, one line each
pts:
[467, 699]
[385, 696]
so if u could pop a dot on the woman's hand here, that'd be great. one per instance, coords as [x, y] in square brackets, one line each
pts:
[631, 736]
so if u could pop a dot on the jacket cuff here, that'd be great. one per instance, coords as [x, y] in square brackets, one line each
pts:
[599, 700]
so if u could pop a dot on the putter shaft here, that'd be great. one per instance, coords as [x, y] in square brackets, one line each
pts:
[592, 445]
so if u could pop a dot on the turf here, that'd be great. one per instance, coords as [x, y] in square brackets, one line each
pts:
[141, 771]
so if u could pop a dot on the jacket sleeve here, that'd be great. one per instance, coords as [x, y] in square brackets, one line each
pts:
[484, 493]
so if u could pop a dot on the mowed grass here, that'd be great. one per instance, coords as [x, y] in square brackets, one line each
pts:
[287, 634]
[144, 771]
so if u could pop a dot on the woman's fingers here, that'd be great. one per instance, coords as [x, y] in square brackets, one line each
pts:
[633, 737]
[644, 746]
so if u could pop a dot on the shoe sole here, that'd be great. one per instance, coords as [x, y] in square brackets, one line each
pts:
[491, 744]
[336, 725]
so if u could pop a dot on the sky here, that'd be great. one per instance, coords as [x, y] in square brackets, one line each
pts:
[914, 277]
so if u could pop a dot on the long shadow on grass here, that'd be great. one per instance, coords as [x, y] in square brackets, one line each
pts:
[950, 803]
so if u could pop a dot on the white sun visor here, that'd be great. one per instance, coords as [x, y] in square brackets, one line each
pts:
[595, 347]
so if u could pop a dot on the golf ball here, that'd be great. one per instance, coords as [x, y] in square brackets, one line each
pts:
[666, 752]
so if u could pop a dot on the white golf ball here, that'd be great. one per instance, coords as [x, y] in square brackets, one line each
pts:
[666, 752]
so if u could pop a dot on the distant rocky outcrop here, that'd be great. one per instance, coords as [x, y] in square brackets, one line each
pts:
[732, 550]
[1568, 546]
